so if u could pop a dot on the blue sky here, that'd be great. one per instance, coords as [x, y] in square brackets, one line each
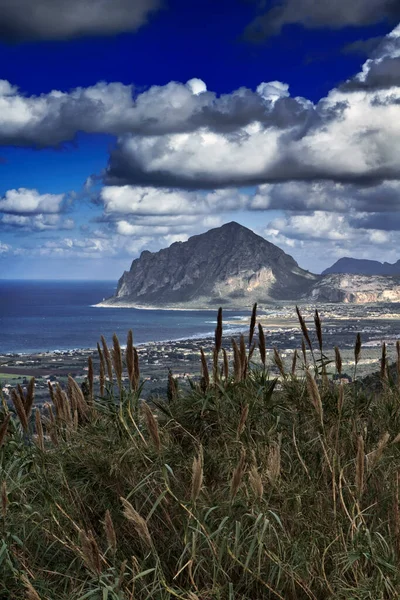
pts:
[131, 124]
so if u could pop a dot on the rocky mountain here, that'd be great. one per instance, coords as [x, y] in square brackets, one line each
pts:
[355, 289]
[363, 267]
[229, 266]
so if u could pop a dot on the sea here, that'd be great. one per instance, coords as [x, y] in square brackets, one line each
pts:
[44, 316]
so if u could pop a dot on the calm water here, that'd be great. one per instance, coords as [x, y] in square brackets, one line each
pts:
[43, 315]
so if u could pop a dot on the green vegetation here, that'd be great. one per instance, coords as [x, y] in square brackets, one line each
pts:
[242, 488]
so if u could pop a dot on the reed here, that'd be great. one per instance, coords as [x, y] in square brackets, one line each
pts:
[138, 522]
[110, 532]
[237, 475]
[4, 429]
[261, 344]
[152, 426]
[107, 358]
[197, 476]
[252, 323]
[204, 370]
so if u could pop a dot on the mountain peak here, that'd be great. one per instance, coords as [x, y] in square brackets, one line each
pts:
[229, 265]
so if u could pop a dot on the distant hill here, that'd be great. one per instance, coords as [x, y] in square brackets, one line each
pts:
[357, 266]
[229, 266]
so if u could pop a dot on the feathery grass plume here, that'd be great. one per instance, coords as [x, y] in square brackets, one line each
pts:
[67, 409]
[101, 357]
[252, 323]
[90, 551]
[274, 461]
[237, 363]
[238, 474]
[357, 349]
[338, 361]
[107, 358]
[90, 379]
[360, 466]
[4, 499]
[261, 343]
[31, 593]
[374, 457]
[19, 409]
[139, 523]
[30, 397]
[304, 329]
[4, 429]
[78, 398]
[58, 402]
[318, 329]
[251, 351]
[243, 356]
[315, 397]
[294, 363]
[152, 426]
[137, 366]
[21, 392]
[102, 378]
[218, 332]
[204, 370]
[52, 426]
[242, 420]
[130, 364]
[226, 364]
[51, 391]
[215, 366]
[110, 532]
[117, 359]
[172, 388]
[39, 429]
[197, 476]
[383, 373]
[279, 363]
[256, 483]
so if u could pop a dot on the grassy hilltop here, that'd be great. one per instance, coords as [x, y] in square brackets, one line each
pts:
[243, 487]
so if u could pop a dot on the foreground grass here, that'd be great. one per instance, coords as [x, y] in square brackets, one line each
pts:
[236, 490]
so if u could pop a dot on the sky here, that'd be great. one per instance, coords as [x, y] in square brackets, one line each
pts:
[131, 124]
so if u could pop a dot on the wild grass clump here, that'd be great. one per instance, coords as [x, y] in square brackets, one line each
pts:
[248, 486]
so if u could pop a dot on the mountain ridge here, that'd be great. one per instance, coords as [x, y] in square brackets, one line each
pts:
[358, 266]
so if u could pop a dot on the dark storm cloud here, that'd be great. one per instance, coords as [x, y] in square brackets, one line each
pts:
[323, 13]
[22, 20]
[381, 74]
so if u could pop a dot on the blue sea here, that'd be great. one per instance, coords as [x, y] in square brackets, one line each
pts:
[37, 316]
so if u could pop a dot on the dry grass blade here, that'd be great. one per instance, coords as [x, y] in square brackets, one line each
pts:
[152, 426]
[279, 363]
[261, 343]
[31, 593]
[117, 358]
[90, 552]
[256, 483]
[4, 429]
[226, 364]
[242, 420]
[197, 476]
[238, 474]
[19, 409]
[338, 361]
[360, 466]
[110, 532]
[237, 363]
[139, 523]
[39, 429]
[274, 462]
[129, 356]
[304, 328]
[315, 397]
[30, 397]
[218, 332]
[318, 329]
[383, 373]
[357, 349]
[252, 323]
[4, 499]
[204, 371]
[90, 379]
[107, 358]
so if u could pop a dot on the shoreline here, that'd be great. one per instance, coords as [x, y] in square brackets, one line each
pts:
[168, 308]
